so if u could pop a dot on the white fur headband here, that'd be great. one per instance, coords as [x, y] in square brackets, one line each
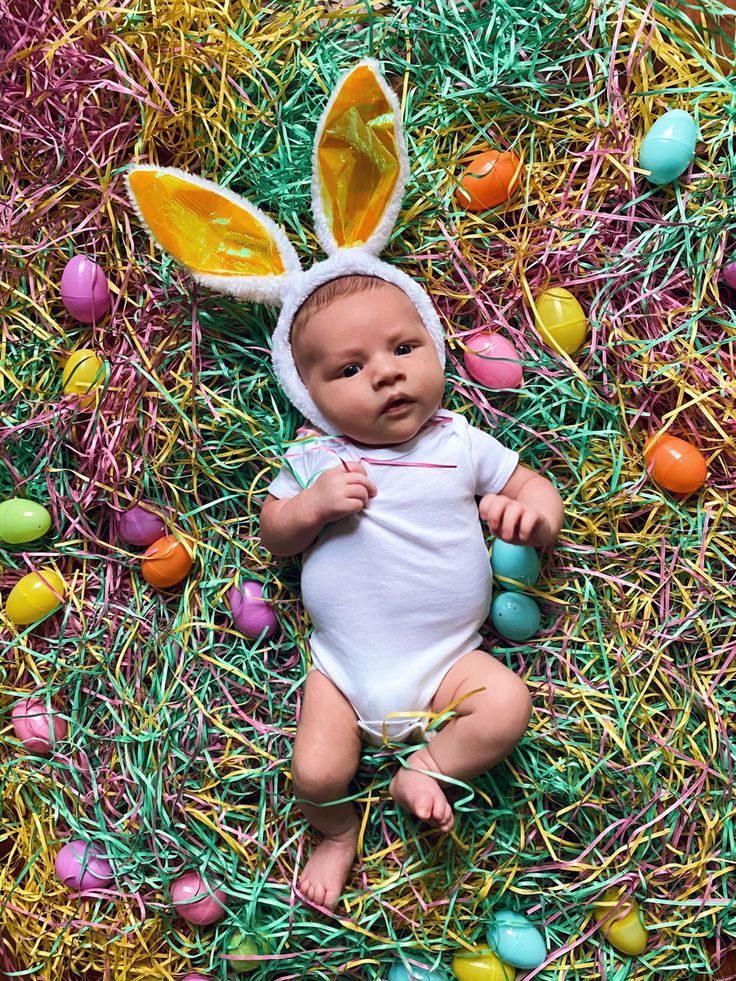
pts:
[359, 169]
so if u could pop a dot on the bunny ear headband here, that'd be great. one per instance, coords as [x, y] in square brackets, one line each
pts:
[359, 169]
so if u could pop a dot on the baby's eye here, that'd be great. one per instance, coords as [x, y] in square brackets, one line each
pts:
[349, 370]
[404, 349]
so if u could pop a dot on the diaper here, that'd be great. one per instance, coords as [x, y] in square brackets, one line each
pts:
[391, 731]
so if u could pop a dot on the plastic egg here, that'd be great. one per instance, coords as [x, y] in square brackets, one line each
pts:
[22, 520]
[140, 527]
[489, 180]
[560, 319]
[167, 561]
[84, 290]
[668, 147]
[400, 971]
[623, 928]
[481, 965]
[194, 902]
[493, 361]
[34, 596]
[516, 566]
[728, 274]
[251, 612]
[516, 940]
[83, 374]
[197, 977]
[245, 945]
[82, 865]
[515, 615]
[676, 464]
[36, 726]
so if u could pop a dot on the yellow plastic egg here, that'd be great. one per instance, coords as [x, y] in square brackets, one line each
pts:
[32, 598]
[560, 317]
[623, 927]
[481, 964]
[83, 374]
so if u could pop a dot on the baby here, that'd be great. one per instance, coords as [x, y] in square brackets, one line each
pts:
[396, 577]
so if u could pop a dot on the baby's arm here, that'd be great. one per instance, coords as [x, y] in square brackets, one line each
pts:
[526, 511]
[290, 526]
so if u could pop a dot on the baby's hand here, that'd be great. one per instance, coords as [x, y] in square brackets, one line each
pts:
[515, 522]
[339, 492]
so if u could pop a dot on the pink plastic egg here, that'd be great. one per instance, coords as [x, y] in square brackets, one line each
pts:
[494, 361]
[38, 729]
[82, 865]
[194, 902]
[140, 527]
[729, 275]
[196, 977]
[251, 612]
[84, 290]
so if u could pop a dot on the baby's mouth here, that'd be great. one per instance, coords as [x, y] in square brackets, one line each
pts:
[397, 404]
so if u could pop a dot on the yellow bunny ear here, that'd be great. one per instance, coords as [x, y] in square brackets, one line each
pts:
[225, 242]
[360, 164]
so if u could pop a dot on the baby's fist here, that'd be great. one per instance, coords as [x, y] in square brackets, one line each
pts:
[341, 491]
[515, 522]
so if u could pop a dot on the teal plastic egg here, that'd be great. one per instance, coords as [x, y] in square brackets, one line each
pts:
[22, 521]
[515, 615]
[408, 972]
[516, 940]
[515, 566]
[668, 147]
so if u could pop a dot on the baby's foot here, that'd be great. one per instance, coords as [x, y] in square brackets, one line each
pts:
[326, 872]
[420, 794]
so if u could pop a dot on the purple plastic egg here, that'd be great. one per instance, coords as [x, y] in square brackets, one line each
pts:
[251, 612]
[82, 865]
[729, 274]
[140, 527]
[196, 977]
[494, 361]
[84, 290]
[194, 902]
[33, 725]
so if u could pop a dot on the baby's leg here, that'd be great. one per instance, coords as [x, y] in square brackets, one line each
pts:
[484, 731]
[326, 755]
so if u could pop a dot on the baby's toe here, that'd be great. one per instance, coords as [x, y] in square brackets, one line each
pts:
[423, 806]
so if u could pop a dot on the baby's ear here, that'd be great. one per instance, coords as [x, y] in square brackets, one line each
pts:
[226, 243]
[359, 165]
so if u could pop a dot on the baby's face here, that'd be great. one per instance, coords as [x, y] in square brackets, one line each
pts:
[361, 354]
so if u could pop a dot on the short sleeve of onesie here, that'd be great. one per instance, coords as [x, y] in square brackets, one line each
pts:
[302, 464]
[493, 463]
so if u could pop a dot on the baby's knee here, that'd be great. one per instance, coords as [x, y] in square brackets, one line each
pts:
[506, 720]
[318, 780]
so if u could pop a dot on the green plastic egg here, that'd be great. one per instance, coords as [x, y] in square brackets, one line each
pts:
[560, 319]
[22, 520]
[246, 945]
[516, 940]
[515, 615]
[668, 147]
[409, 972]
[515, 566]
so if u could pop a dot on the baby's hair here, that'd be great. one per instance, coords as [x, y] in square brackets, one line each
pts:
[326, 293]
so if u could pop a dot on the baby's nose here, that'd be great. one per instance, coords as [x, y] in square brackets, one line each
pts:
[386, 371]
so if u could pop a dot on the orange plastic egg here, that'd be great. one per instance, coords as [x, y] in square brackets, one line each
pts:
[676, 464]
[167, 561]
[490, 179]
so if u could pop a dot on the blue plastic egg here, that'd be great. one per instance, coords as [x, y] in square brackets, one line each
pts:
[408, 972]
[668, 147]
[516, 566]
[516, 940]
[515, 615]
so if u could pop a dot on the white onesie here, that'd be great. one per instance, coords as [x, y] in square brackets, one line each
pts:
[397, 592]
